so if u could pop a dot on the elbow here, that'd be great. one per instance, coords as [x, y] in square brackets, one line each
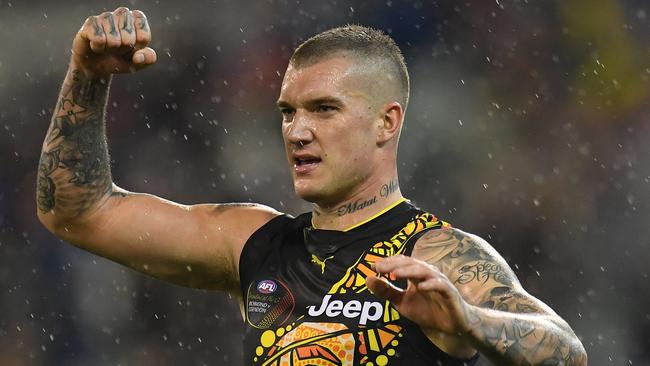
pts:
[51, 222]
[581, 359]
[578, 355]
[46, 219]
[62, 228]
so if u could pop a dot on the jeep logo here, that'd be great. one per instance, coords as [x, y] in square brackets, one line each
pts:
[351, 309]
[266, 286]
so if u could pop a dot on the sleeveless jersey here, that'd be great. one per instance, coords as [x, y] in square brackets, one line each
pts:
[306, 301]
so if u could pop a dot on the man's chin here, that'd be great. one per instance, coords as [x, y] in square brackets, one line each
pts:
[308, 192]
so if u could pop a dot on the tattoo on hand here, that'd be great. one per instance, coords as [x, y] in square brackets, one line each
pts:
[75, 148]
[143, 25]
[111, 21]
[97, 28]
[127, 23]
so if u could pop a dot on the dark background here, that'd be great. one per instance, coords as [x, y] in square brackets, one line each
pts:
[528, 125]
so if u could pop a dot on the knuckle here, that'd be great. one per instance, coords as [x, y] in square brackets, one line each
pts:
[113, 41]
[143, 39]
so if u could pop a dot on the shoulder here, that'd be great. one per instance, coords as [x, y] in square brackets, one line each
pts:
[235, 222]
[478, 271]
[243, 207]
[468, 260]
[261, 228]
[242, 219]
[451, 243]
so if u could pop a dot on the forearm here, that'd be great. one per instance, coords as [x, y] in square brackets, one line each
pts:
[74, 169]
[524, 339]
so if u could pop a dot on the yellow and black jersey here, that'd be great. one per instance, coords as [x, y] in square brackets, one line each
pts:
[306, 300]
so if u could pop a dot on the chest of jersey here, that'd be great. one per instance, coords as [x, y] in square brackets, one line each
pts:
[309, 307]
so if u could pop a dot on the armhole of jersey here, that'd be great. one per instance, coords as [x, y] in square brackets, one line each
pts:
[410, 244]
[421, 342]
[258, 242]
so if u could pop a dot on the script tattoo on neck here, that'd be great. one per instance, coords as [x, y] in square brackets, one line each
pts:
[74, 165]
[355, 206]
[388, 188]
[384, 191]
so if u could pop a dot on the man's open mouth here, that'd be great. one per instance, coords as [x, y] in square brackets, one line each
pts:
[306, 161]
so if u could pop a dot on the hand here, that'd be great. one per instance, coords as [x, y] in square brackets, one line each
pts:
[430, 299]
[113, 42]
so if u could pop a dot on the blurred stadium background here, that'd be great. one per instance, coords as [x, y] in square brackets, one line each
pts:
[529, 125]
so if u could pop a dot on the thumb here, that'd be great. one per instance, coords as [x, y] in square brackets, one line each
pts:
[384, 289]
[143, 58]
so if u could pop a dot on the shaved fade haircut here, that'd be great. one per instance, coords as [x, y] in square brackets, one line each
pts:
[366, 45]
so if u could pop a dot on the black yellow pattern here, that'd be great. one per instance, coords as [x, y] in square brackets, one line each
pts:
[305, 342]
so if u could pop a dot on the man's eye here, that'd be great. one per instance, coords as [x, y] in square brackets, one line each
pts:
[287, 112]
[326, 108]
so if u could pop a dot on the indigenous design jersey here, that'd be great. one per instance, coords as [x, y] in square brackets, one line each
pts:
[306, 300]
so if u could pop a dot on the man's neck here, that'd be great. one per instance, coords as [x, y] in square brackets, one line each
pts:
[358, 209]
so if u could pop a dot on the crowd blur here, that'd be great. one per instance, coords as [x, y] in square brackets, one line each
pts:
[528, 124]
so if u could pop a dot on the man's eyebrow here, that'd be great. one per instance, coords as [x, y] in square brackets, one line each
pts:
[312, 102]
[326, 100]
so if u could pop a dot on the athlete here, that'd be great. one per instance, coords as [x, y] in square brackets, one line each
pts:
[365, 278]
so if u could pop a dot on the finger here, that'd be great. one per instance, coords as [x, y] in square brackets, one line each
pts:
[415, 272]
[383, 289]
[144, 57]
[93, 33]
[124, 21]
[434, 284]
[391, 263]
[113, 38]
[142, 30]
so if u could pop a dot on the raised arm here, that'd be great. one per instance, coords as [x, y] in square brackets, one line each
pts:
[196, 246]
[465, 297]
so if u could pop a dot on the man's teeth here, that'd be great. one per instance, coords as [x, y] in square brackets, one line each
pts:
[306, 161]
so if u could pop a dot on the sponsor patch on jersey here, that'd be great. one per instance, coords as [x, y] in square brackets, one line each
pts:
[355, 310]
[269, 302]
[266, 286]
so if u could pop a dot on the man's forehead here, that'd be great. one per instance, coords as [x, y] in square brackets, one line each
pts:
[330, 69]
[333, 74]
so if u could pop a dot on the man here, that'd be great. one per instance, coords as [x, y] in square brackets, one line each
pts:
[365, 278]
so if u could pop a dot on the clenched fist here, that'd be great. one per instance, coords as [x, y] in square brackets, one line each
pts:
[112, 43]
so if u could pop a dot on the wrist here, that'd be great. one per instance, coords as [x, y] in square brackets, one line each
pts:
[77, 68]
[472, 331]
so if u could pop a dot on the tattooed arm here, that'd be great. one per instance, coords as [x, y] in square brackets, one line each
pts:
[196, 246]
[465, 297]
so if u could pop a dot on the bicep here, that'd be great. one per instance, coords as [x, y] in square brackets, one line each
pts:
[478, 271]
[195, 246]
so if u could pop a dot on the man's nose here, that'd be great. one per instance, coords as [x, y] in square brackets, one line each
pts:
[300, 131]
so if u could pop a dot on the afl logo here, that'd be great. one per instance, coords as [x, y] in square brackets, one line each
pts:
[266, 287]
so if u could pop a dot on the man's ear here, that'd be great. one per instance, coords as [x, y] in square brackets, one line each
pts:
[390, 123]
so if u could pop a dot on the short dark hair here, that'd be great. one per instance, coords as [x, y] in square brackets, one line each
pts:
[365, 43]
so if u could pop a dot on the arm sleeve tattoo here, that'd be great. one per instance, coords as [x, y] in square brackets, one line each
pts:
[509, 326]
[74, 172]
